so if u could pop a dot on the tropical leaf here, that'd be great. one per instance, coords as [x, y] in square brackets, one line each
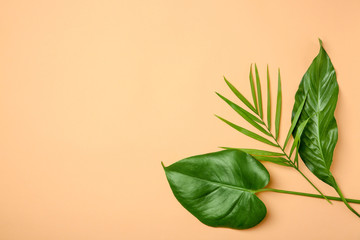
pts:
[219, 188]
[258, 88]
[278, 108]
[268, 98]
[240, 96]
[247, 132]
[320, 135]
[298, 134]
[294, 121]
[245, 114]
[296, 159]
[252, 85]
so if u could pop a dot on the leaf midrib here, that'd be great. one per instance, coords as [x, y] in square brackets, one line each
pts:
[318, 115]
[218, 183]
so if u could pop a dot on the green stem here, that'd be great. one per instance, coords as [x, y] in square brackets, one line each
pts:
[327, 199]
[308, 195]
[346, 201]
[293, 164]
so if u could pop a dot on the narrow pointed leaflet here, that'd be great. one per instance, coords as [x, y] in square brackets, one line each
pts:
[258, 88]
[278, 108]
[240, 96]
[268, 99]
[294, 121]
[244, 114]
[247, 132]
[252, 85]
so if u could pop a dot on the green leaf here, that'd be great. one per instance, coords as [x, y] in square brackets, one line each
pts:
[294, 121]
[240, 96]
[256, 152]
[247, 132]
[296, 160]
[268, 99]
[298, 134]
[251, 78]
[278, 108]
[321, 133]
[219, 188]
[258, 88]
[276, 160]
[245, 114]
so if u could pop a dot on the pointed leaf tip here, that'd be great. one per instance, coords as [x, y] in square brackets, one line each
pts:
[320, 41]
[162, 164]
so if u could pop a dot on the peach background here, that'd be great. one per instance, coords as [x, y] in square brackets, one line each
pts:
[94, 94]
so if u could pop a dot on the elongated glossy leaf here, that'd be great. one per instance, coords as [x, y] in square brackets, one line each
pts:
[258, 88]
[294, 121]
[252, 85]
[268, 99]
[247, 132]
[321, 133]
[219, 188]
[278, 108]
[245, 114]
[256, 152]
[240, 96]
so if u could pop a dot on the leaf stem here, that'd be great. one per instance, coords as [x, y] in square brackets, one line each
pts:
[346, 201]
[307, 195]
[297, 169]
[292, 164]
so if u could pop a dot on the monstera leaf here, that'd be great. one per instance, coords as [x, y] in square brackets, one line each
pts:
[219, 188]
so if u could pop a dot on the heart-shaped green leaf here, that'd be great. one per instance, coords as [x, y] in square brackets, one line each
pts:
[219, 188]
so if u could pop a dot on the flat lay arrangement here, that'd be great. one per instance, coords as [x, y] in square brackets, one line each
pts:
[220, 188]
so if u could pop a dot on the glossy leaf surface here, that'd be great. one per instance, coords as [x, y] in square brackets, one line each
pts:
[219, 188]
[320, 134]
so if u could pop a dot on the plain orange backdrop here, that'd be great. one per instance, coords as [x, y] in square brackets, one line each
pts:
[94, 94]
